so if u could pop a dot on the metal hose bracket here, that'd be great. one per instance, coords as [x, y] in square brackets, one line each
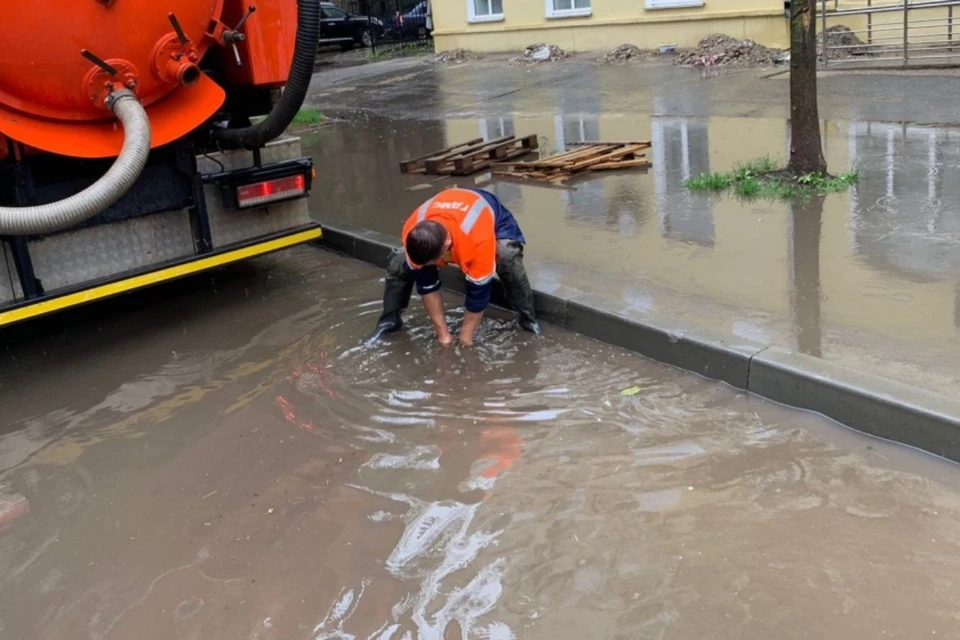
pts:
[47, 218]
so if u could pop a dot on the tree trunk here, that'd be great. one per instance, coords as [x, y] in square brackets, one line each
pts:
[806, 152]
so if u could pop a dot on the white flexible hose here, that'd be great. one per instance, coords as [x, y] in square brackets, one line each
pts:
[47, 218]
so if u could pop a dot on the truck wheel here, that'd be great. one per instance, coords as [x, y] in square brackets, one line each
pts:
[366, 38]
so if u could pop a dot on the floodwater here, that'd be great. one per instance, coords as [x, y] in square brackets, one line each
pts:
[869, 279]
[239, 466]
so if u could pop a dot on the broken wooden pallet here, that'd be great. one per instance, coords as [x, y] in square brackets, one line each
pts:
[411, 165]
[580, 158]
[471, 156]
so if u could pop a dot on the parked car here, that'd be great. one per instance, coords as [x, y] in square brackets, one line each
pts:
[346, 29]
[411, 23]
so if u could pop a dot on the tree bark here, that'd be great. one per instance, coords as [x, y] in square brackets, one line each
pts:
[806, 151]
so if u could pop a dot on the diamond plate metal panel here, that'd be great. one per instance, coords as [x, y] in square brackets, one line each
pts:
[228, 226]
[10, 289]
[107, 250]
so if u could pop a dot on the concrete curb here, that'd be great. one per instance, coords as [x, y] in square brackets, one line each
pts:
[867, 403]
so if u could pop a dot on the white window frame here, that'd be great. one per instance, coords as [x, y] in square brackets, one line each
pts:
[472, 16]
[673, 4]
[567, 13]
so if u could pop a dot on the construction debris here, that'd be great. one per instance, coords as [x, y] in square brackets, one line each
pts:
[842, 43]
[456, 56]
[471, 156]
[539, 53]
[626, 53]
[580, 159]
[719, 49]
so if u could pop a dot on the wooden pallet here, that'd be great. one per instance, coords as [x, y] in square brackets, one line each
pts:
[580, 158]
[471, 156]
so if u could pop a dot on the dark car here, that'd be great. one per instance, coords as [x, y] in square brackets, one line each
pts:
[346, 29]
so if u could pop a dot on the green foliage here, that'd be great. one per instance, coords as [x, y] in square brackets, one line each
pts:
[710, 182]
[307, 117]
[763, 178]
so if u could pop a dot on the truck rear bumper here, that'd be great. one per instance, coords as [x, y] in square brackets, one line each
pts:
[183, 215]
[106, 288]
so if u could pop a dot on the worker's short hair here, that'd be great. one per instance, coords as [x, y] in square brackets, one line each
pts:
[425, 242]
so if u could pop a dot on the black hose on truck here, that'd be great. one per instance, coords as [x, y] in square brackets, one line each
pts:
[295, 91]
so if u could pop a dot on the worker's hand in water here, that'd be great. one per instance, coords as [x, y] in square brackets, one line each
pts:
[466, 342]
[445, 338]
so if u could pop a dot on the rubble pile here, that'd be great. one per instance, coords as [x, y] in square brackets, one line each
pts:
[540, 53]
[720, 49]
[456, 56]
[625, 53]
[841, 36]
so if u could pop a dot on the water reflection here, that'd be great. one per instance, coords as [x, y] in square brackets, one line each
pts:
[805, 218]
[580, 204]
[357, 170]
[905, 216]
[868, 277]
[681, 150]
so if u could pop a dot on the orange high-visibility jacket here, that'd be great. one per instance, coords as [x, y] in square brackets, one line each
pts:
[468, 218]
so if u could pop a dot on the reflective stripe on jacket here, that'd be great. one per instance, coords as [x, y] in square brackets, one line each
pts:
[471, 223]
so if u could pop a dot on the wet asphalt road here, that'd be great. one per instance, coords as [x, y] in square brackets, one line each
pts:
[221, 458]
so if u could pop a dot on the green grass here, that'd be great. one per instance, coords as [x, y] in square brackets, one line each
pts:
[710, 182]
[764, 178]
[307, 117]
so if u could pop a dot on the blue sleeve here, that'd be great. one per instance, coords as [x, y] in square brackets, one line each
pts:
[478, 296]
[427, 279]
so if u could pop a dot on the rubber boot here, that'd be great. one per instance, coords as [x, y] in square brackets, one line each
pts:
[516, 285]
[396, 296]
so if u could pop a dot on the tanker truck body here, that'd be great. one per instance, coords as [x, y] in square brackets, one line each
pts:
[142, 141]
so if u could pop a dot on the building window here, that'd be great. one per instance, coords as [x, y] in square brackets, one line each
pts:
[568, 8]
[484, 10]
[673, 4]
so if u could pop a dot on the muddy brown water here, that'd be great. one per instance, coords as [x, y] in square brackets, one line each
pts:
[238, 466]
[869, 279]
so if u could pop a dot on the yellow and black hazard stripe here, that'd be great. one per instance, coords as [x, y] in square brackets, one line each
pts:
[26, 310]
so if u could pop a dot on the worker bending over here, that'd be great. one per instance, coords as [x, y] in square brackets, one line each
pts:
[473, 230]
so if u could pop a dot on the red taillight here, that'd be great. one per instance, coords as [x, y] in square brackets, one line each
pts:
[251, 195]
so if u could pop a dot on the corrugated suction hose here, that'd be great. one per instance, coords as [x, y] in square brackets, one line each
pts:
[47, 218]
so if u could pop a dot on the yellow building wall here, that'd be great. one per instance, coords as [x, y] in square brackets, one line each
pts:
[612, 22]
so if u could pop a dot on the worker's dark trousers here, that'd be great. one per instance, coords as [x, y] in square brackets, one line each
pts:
[510, 270]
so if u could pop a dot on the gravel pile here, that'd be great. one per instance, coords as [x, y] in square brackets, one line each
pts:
[842, 36]
[722, 50]
[625, 53]
[456, 56]
[540, 53]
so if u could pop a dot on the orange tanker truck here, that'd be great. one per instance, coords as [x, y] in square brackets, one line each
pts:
[142, 141]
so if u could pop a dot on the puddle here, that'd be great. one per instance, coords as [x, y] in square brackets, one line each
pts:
[228, 474]
[870, 279]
